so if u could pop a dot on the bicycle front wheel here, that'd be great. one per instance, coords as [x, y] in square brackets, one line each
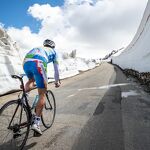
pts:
[14, 126]
[49, 110]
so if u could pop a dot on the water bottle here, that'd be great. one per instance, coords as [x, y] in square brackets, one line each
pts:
[35, 101]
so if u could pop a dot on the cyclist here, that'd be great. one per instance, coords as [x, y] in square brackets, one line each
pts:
[35, 67]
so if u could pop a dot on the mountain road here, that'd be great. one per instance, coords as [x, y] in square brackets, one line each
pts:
[100, 109]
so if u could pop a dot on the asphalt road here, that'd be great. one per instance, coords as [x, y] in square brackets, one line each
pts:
[99, 109]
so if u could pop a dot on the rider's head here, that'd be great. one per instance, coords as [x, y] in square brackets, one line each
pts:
[49, 43]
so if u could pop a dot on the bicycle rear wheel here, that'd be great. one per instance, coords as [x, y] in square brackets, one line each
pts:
[49, 110]
[14, 126]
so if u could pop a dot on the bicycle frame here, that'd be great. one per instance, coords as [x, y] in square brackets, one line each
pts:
[23, 124]
[21, 102]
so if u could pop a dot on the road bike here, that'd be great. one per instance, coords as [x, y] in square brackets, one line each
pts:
[16, 117]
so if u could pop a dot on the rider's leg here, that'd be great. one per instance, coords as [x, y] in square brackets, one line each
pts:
[29, 68]
[39, 108]
[41, 82]
[29, 85]
[41, 102]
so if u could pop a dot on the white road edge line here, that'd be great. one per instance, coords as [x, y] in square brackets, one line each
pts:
[104, 87]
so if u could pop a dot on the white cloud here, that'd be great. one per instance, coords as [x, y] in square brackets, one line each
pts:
[78, 2]
[1, 25]
[25, 38]
[92, 27]
[42, 12]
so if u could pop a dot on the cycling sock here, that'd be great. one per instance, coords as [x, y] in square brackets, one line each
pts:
[37, 120]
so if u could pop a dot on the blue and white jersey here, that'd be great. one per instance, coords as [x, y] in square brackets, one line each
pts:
[45, 55]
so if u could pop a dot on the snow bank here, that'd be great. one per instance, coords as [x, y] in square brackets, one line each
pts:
[137, 55]
[11, 63]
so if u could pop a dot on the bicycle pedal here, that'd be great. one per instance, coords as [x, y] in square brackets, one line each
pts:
[16, 135]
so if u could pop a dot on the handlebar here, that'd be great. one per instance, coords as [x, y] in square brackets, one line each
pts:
[50, 78]
[20, 77]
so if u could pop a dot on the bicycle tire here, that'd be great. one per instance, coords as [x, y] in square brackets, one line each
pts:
[17, 134]
[49, 110]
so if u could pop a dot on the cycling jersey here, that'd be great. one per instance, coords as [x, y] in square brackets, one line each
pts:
[35, 64]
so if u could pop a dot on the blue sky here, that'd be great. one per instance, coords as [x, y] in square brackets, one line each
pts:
[14, 12]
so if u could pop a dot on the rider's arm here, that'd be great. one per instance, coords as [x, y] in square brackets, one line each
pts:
[56, 72]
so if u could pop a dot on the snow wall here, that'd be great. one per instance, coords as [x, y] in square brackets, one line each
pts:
[137, 55]
[11, 63]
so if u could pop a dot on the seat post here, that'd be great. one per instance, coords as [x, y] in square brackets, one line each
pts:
[22, 83]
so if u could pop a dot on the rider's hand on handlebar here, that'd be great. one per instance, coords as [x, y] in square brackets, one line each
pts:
[57, 84]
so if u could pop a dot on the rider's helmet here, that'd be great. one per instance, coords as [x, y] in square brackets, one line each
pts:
[49, 43]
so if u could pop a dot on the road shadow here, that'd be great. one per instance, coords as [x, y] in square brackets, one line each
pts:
[104, 130]
[29, 146]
